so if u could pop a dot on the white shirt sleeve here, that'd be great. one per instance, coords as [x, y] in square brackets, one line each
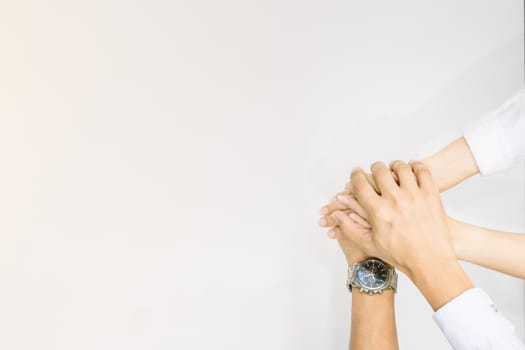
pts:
[498, 139]
[471, 322]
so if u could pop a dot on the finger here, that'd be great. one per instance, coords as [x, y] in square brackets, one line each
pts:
[396, 179]
[353, 204]
[351, 229]
[369, 177]
[359, 220]
[331, 206]
[423, 176]
[363, 191]
[329, 221]
[405, 175]
[383, 178]
[335, 233]
[326, 221]
[338, 193]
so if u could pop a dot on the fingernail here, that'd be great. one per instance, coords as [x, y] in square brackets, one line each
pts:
[323, 221]
[324, 210]
[331, 234]
[342, 199]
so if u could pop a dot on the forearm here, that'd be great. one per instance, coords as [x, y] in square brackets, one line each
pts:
[373, 321]
[373, 316]
[440, 281]
[500, 251]
[452, 164]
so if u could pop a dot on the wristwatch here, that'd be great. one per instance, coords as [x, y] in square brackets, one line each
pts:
[372, 276]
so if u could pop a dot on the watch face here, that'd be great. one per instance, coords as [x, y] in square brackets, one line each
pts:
[372, 274]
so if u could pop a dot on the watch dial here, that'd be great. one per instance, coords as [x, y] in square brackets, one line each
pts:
[372, 274]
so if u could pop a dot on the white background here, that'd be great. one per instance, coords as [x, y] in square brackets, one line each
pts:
[163, 162]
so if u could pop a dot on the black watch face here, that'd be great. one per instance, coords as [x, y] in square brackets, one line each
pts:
[372, 274]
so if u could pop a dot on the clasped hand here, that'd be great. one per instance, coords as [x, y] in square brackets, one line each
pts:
[396, 214]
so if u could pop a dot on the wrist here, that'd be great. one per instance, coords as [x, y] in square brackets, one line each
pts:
[452, 164]
[356, 258]
[440, 281]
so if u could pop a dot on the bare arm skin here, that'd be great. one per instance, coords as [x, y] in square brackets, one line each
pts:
[373, 318]
[496, 250]
[407, 228]
[449, 166]
[373, 321]
[500, 251]
[373, 324]
[452, 165]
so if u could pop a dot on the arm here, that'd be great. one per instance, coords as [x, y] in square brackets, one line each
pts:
[373, 316]
[449, 166]
[500, 251]
[409, 230]
[373, 322]
[452, 165]
[493, 144]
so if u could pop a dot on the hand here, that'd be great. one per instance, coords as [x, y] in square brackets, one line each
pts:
[407, 220]
[409, 229]
[352, 252]
[345, 201]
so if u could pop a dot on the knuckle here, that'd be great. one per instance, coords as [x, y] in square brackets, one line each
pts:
[396, 163]
[404, 167]
[377, 166]
[358, 182]
[424, 170]
[419, 166]
[382, 212]
[354, 175]
[421, 170]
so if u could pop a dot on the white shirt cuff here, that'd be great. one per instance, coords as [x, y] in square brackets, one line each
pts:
[489, 145]
[471, 321]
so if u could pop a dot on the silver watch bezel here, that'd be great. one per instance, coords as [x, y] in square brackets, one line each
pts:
[353, 280]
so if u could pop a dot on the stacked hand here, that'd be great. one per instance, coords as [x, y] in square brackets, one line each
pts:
[396, 215]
